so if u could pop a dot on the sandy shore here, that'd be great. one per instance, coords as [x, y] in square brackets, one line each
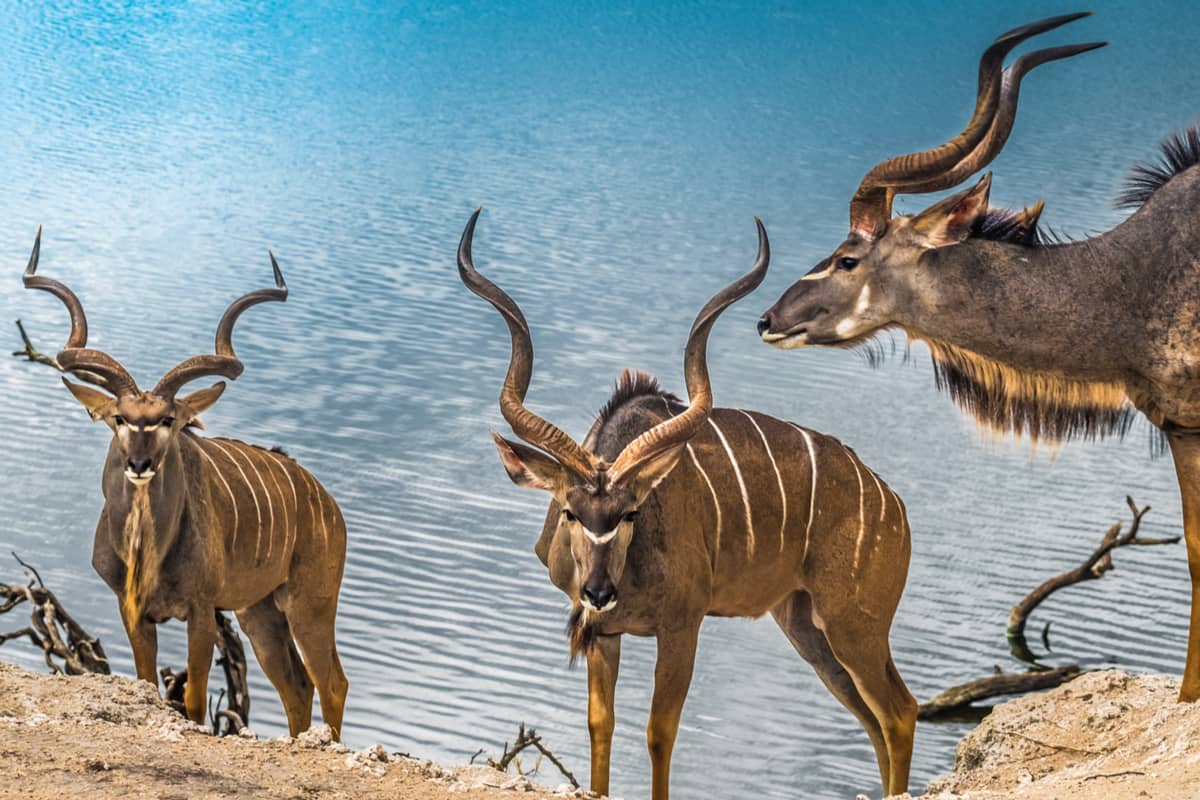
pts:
[108, 737]
[1105, 735]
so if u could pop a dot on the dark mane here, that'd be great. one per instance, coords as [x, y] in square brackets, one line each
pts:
[1180, 151]
[631, 385]
[1007, 225]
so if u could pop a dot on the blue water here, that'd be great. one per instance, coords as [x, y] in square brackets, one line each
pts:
[621, 151]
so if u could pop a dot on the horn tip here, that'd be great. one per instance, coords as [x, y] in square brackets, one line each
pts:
[279, 281]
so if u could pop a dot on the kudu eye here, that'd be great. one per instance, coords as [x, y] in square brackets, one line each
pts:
[568, 516]
[629, 517]
[118, 420]
[168, 422]
[847, 263]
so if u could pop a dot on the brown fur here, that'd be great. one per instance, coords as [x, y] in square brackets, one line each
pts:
[1006, 399]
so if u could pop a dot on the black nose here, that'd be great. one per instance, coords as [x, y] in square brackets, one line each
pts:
[138, 465]
[601, 597]
[764, 323]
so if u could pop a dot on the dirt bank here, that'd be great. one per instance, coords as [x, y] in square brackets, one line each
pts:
[107, 737]
[1105, 735]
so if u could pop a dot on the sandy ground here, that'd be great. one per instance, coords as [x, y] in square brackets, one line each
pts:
[107, 737]
[1105, 735]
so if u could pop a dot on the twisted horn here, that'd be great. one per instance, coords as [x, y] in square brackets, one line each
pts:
[871, 207]
[525, 423]
[225, 361]
[678, 430]
[89, 365]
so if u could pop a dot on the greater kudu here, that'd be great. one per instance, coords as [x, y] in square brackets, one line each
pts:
[192, 525]
[1056, 341]
[682, 512]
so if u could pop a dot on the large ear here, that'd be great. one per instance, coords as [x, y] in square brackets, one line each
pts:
[98, 404]
[196, 403]
[528, 467]
[950, 221]
[649, 474]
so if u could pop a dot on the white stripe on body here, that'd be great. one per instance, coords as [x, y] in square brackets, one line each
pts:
[862, 515]
[257, 508]
[778, 477]
[812, 498]
[225, 483]
[737, 472]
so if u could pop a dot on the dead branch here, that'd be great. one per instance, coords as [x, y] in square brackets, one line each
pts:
[1093, 567]
[31, 353]
[527, 738]
[231, 657]
[958, 697]
[52, 629]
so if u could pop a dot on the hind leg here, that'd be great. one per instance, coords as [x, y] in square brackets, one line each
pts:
[269, 634]
[865, 654]
[794, 616]
[312, 622]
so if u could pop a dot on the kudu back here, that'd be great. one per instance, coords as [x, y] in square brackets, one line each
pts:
[1053, 340]
[667, 513]
[194, 525]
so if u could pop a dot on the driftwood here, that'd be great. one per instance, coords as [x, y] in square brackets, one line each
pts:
[31, 353]
[231, 657]
[958, 698]
[526, 738]
[1095, 566]
[52, 630]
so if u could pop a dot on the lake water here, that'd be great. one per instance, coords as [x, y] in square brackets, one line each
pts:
[621, 152]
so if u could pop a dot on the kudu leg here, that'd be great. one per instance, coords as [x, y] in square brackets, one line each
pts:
[313, 629]
[603, 661]
[794, 616]
[1185, 449]
[267, 629]
[867, 657]
[672, 677]
[143, 640]
[202, 637]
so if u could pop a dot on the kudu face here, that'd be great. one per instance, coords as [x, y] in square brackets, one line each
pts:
[873, 275]
[597, 513]
[867, 281]
[144, 424]
[598, 500]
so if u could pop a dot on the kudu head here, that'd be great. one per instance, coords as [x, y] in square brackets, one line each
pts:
[598, 499]
[874, 273]
[145, 424]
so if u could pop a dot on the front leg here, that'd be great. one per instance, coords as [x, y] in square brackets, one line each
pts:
[603, 660]
[202, 637]
[672, 677]
[143, 640]
[1185, 449]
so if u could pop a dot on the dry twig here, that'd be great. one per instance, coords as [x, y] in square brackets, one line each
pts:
[526, 738]
[31, 353]
[52, 630]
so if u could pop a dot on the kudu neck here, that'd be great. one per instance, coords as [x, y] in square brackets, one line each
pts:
[1060, 309]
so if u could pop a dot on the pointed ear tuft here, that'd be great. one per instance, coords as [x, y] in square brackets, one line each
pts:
[528, 467]
[950, 221]
[196, 403]
[98, 404]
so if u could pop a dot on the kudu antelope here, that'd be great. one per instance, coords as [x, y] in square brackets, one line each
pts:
[1057, 341]
[192, 525]
[668, 513]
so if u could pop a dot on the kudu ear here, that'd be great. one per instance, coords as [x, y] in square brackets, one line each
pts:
[193, 405]
[99, 405]
[950, 221]
[528, 467]
[650, 473]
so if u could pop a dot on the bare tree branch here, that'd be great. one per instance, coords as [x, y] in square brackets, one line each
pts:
[526, 738]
